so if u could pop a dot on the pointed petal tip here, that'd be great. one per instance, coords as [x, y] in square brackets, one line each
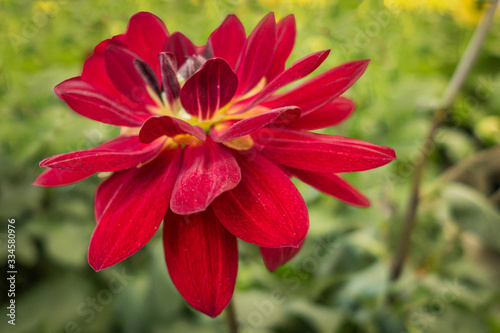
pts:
[392, 153]
[96, 266]
[271, 18]
[55, 177]
[98, 263]
[366, 204]
[38, 183]
[271, 268]
[276, 257]
[213, 312]
[365, 62]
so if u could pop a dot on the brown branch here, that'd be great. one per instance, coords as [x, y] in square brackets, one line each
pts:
[454, 86]
[232, 323]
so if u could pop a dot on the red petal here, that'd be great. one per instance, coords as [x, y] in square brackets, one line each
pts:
[207, 171]
[333, 185]
[148, 75]
[158, 126]
[319, 152]
[134, 211]
[121, 153]
[94, 73]
[209, 89]
[170, 83]
[228, 39]
[249, 125]
[180, 46]
[275, 257]
[122, 72]
[265, 208]
[88, 102]
[285, 38]
[101, 47]
[322, 89]
[295, 72]
[146, 35]
[328, 115]
[55, 177]
[256, 55]
[105, 192]
[202, 260]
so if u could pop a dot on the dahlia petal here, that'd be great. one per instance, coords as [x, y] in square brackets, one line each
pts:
[101, 47]
[134, 211]
[256, 55]
[285, 39]
[328, 115]
[202, 260]
[94, 73]
[86, 101]
[121, 70]
[105, 192]
[295, 72]
[158, 126]
[170, 83]
[275, 257]
[209, 89]
[333, 185]
[56, 177]
[120, 153]
[146, 35]
[180, 46]
[148, 75]
[322, 89]
[319, 152]
[265, 208]
[227, 40]
[207, 171]
[251, 124]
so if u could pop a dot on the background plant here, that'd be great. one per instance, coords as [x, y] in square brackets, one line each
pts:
[339, 281]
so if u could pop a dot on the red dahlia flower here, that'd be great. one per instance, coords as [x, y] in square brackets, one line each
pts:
[208, 146]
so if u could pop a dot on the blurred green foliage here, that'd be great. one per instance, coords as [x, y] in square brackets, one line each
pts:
[339, 281]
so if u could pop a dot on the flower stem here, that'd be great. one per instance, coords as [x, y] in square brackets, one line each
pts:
[232, 323]
[440, 115]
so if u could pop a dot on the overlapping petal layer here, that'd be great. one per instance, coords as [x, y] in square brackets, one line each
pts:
[322, 89]
[87, 101]
[256, 55]
[131, 210]
[207, 170]
[231, 32]
[158, 126]
[121, 153]
[265, 208]
[209, 89]
[319, 152]
[251, 124]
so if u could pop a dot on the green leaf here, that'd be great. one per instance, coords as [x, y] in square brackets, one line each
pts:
[473, 212]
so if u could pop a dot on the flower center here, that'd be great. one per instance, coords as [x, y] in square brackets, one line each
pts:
[166, 96]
